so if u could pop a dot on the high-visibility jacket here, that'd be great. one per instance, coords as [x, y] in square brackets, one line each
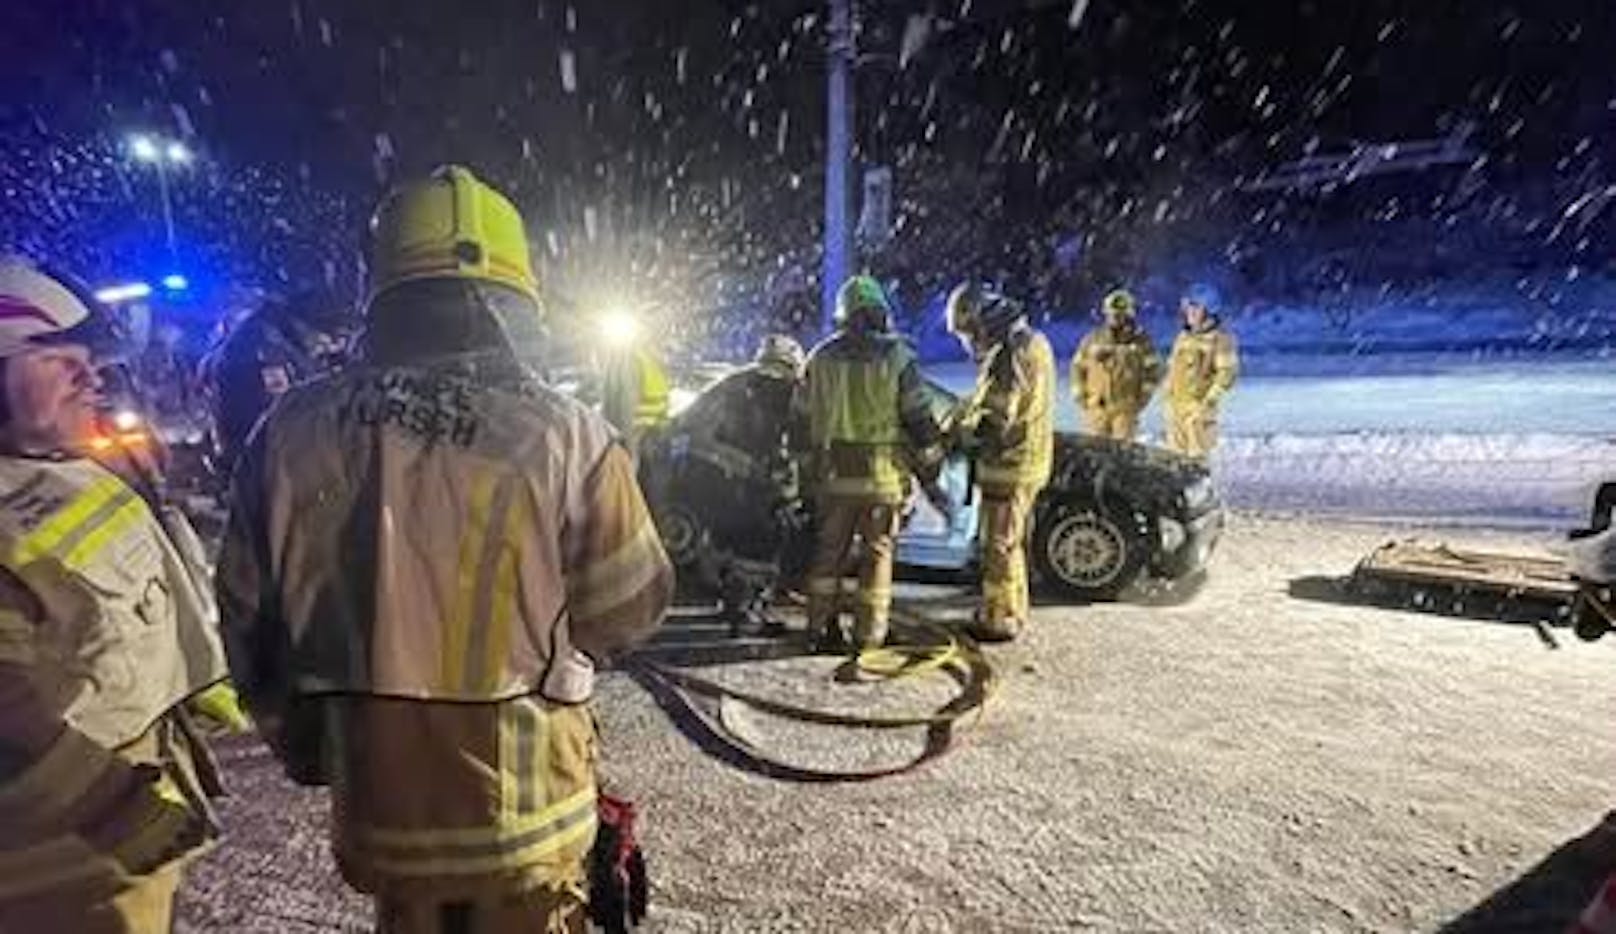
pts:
[1203, 367]
[1116, 369]
[1012, 413]
[104, 628]
[404, 541]
[636, 394]
[866, 404]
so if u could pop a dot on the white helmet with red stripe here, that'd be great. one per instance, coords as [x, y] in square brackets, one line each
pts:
[36, 308]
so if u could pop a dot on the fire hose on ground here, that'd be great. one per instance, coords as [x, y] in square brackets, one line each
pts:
[698, 703]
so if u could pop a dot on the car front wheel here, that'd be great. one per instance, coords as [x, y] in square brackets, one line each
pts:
[1088, 552]
[683, 536]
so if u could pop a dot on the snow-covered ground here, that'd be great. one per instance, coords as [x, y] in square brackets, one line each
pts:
[1253, 760]
[1515, 439]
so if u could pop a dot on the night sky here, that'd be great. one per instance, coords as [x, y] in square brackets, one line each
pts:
[676, 146]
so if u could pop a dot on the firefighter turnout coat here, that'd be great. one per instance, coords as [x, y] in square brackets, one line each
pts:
[104, 626]
[1114, 374]
[1012, 412]
[1011, 418]
[420, 573]
[867, 413]
[1201, 372]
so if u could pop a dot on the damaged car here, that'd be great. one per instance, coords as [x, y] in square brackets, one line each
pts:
[1115, 514]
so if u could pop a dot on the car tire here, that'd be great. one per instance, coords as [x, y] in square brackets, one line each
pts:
[683, 536]
[1090, 553]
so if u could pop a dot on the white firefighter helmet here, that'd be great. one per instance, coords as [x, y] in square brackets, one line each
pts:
[37, 308]
[780, 352]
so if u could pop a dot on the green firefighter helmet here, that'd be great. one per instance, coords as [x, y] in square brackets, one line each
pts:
[862, 304]
[1120, 303]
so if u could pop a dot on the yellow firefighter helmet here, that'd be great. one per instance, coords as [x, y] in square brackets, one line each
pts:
[450, 225]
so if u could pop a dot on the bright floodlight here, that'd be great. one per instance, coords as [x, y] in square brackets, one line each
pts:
[176, 283]
[178, 154]
[142, 148]
[619, 328]
[125, 420]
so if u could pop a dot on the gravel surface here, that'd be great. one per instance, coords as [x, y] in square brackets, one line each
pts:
[1241, 760]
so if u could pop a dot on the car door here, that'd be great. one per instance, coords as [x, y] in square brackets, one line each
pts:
[928, 538]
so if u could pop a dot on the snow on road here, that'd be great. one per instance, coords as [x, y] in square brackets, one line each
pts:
[1411, 435]
[1248, 761]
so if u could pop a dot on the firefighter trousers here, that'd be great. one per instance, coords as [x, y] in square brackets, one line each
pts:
[875, 524]
[1122, 424]
[1006, 521]
[540, 911]
[145, 902]
[146, 907]
[1192, 429]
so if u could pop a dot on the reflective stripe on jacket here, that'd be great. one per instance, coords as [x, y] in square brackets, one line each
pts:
[636, 394]
[865, 404]
[1013, 412]
[126, 635]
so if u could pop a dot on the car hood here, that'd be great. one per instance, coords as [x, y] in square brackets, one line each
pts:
[1105, 468]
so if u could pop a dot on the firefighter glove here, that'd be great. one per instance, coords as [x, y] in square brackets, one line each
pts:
[619, 889]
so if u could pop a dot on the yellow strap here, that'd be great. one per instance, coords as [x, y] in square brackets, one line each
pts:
[896, 662]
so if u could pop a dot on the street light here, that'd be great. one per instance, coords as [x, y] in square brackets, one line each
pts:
[162, 154]
[142, 148]
[842, 50]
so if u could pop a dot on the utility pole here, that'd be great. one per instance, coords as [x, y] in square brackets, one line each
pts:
[163, 154]
[168, 212]
[838, 258]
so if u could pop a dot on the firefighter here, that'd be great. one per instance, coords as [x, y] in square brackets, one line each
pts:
[104, 635]
[1115, 371]
[634, 386]
[1009, 423]
[866, 411]
[751, 503]
[1203, 368]
[283, 343]
[428, 554]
